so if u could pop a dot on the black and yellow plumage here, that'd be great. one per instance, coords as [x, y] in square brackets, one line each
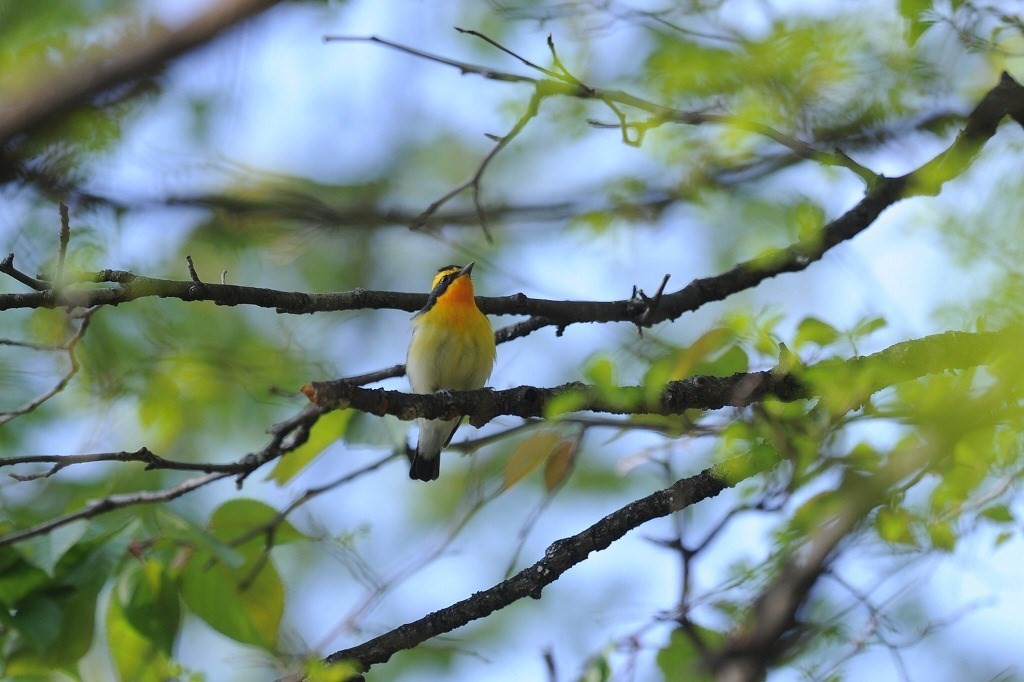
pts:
[452, 349]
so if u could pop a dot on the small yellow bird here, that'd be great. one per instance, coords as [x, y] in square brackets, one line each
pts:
[452, 349]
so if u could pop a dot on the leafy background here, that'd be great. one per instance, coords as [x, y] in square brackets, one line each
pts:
[295, 164]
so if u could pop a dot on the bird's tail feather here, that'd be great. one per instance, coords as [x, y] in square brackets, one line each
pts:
[434, 435]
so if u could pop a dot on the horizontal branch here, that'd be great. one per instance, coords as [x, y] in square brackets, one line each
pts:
[900, 362]
[285, 437]
[144, 455]
[112, 502]
[559, 558]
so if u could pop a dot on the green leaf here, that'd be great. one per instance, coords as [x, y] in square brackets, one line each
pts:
[893, 525]
[911, 11]
[149, 598]
[813, 330]
[564, 403]
[600, 372]
[18, 578]
[694, 359]
[328, 429]
[143, 618]
[238, 516]
[245, 608]
[730, 362]
[867, 326]
[46, 550]
[681, 660]
[999, 513]
[39, 620]
[943, 536]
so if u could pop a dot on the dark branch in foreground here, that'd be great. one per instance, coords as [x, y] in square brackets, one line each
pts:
[900, 362]
[559, 557]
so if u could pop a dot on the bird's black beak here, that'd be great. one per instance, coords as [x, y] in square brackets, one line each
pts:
[466, 270]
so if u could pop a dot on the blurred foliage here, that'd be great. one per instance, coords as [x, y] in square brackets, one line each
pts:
[887, 82]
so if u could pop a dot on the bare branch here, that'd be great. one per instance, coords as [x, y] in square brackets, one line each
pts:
[493, 43]
[559, 557]
[7, 267]
[111, 503]
[62, 250]
[70, 348]
[144, 455]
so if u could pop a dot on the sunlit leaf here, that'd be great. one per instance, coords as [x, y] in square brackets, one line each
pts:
[143, 618]
[46, 550]
[529, 455]
[813, 330]
[601, 372]
[893, 525]
[248, 612]
[559, 465]
[239, 516]
[328, 429]
[867, 326]
[942, 535]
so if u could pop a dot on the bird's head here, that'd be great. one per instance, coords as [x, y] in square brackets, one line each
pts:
[453, 283]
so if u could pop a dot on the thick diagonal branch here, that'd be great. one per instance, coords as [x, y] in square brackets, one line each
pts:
[559, 558]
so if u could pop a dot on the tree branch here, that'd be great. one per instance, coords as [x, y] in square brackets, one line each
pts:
[559, 557]
[1005, 99]
[748, 653]
[900, 362]
[70, 347]
[144, 455]
[112, 502]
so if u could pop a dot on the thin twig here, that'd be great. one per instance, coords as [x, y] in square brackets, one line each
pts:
[192, 270]
[70, 348]
[473, 182]
[464, 67]
[143, 455]
[111, 503]
[7, 267]
[493, 43]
